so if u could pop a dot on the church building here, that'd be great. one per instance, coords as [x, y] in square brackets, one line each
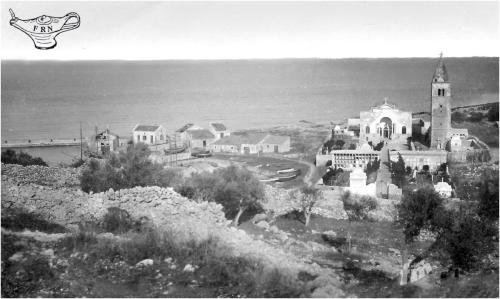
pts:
[385, 123]
[441, 130]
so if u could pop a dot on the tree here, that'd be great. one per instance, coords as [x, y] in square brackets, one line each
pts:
[306, 198]
[239, 190]
[493, 113]
[357, 208]
[488, 196]
[339, 144]
[399, 172]
[416, 211]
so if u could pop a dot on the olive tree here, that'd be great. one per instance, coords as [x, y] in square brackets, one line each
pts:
[238, 190]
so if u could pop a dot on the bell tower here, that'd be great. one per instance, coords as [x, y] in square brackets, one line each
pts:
[440, 106]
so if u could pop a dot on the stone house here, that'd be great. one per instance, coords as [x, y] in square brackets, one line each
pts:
[149, 134]
[229, 144]
[275, 144]
[105, 142]
[252, 144]
[219, 130]
[200, 138]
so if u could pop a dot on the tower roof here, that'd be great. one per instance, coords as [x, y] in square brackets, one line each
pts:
[440, 74]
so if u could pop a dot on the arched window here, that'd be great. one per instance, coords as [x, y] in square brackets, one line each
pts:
[403, 130]
[367, 130]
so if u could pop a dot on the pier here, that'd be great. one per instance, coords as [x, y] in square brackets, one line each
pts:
[41, 143]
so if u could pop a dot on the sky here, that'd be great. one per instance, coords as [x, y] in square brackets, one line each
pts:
[135, 30]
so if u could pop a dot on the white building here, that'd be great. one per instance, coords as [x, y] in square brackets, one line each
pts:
[219, 130]
[444, 189]
[385, 122]
[149, 134]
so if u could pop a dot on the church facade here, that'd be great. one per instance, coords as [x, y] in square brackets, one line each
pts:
[385, 123]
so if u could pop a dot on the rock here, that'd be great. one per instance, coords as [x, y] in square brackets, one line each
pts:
[188, 268]
[168, 260]
[145, 263]
[259, 217]
[395, 251]
[330, 233]
[328, 291]
[274, 229]
[16, 257]
[263, 224]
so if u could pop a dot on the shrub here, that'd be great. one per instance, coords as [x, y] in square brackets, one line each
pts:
[19, 219]
[77, 163]
[128, 169]
[21, 158]
[475, 117]
[357, 207]
[493, 113]
[458, 116]
[117, 220]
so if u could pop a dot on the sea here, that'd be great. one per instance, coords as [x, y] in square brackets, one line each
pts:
[52, 99]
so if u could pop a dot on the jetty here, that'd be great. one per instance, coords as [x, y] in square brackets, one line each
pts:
[41, 143]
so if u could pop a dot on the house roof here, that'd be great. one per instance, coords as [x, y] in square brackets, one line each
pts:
[274, 139]
[229, 140]
[218, 126]
[253, 138]
[106, 132]
[146, 128]
[201, 134]
[184, 128]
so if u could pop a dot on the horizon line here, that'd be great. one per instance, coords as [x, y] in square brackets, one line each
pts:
[241, 59]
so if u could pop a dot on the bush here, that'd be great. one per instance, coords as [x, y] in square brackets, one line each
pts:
[458, 117]
[128, 169]
[493, 113]
[475, 117]
[117, 220]
[358, 207]
[21, 158]
[19, 219]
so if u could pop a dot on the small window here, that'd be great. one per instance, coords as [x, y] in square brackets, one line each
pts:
[138, 138]
[440, 106]
[403, 130]
[144, 137]
[367, 130]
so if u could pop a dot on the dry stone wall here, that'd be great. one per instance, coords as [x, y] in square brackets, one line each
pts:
[279, 202]
[57, 198]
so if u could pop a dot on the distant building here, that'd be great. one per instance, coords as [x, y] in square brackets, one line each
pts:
[219, 130]
[385, 122]
[441, 130]
[149, 134]
[105, 142]
[275, 144]
[252, 144]
[199, 138]
[229, 144]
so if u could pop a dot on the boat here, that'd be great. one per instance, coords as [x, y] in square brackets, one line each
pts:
[201, 154]
[174, 150]
[269, 180]
[286, 178]
[289, 171]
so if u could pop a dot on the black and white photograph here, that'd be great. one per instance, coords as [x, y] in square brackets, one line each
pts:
[261, 149]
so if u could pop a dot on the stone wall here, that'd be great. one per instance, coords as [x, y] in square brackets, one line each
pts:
[50, 193]
[278, 202]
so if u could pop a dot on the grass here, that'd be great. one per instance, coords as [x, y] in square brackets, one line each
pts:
[90, 264]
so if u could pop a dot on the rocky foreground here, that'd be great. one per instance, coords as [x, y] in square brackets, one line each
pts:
[54, 194]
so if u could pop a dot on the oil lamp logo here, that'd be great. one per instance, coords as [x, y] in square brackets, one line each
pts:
[44, 29]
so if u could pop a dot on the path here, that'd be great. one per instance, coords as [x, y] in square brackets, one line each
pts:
[384, 173]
